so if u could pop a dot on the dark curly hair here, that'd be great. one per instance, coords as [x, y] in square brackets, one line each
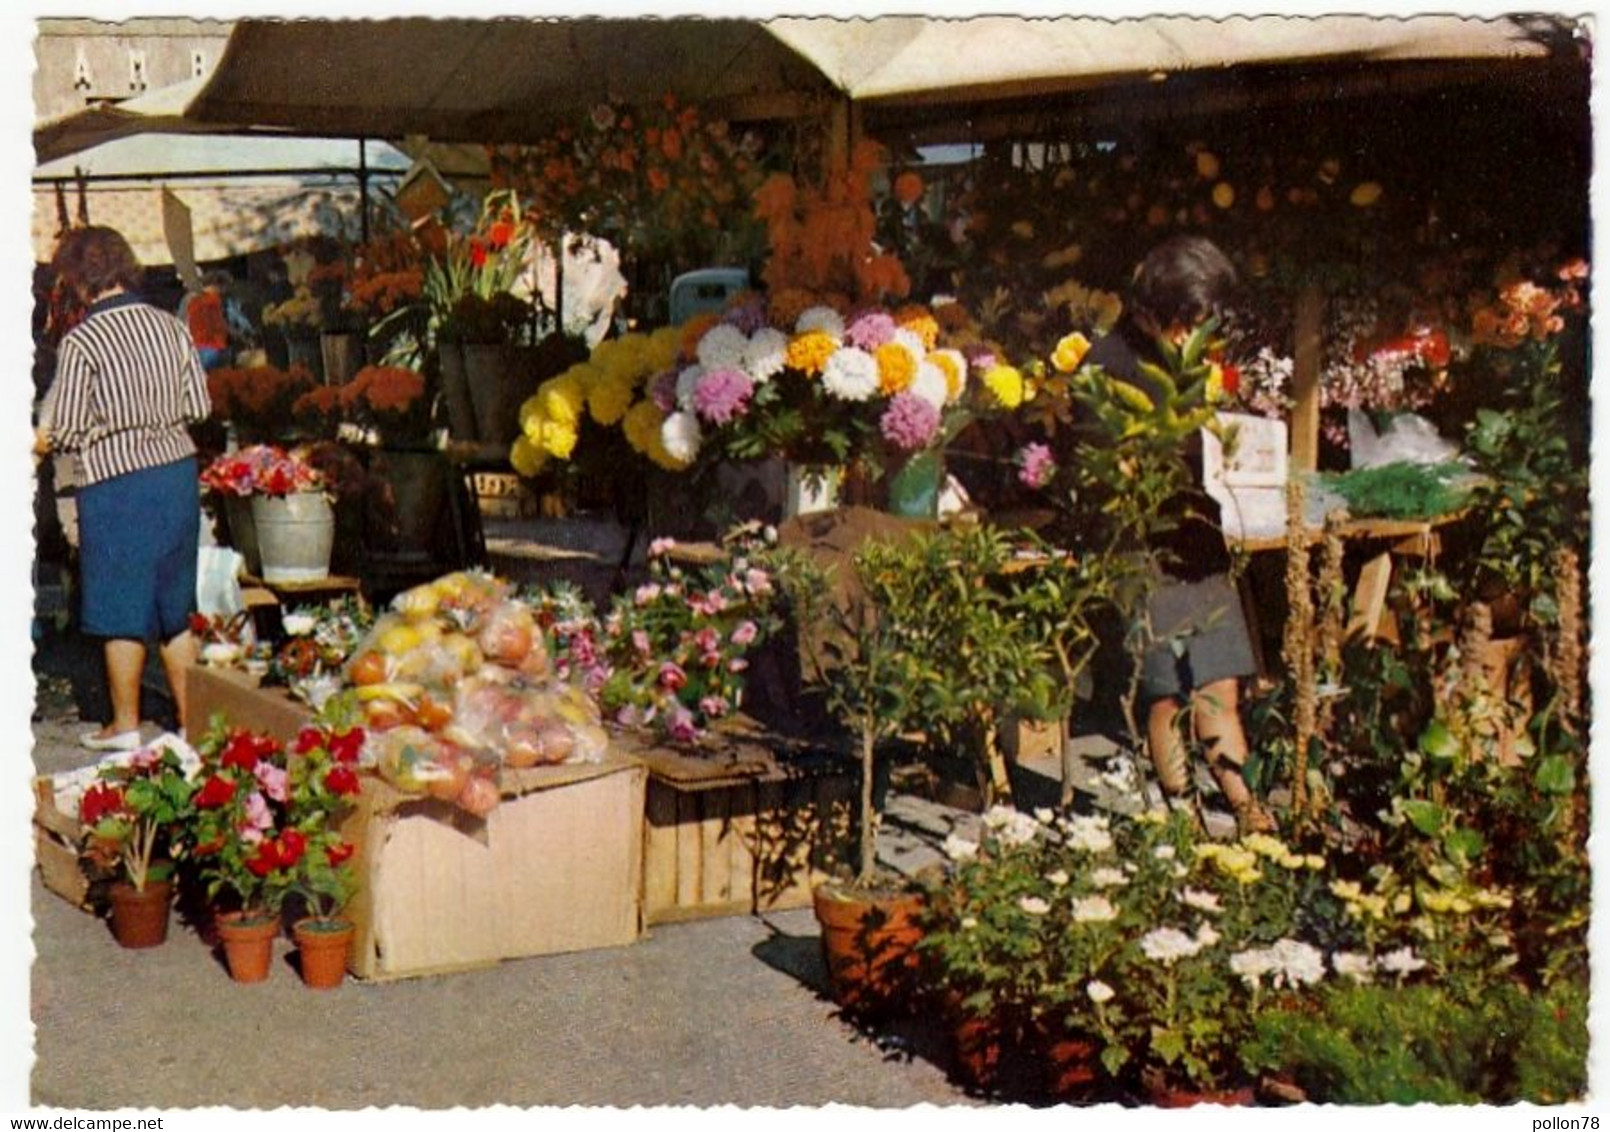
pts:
[95, 259]
[1183, 280]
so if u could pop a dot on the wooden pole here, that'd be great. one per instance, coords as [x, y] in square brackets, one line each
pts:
[1310, 322]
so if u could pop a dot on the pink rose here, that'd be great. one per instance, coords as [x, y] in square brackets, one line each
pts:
[672, 678]
[745, 633]
[272, 779]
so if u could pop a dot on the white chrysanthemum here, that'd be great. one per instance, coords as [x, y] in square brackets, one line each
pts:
[1252, 965]
[1168, 945]
[765, 354]
[825, 319]
[686, 382]
[1403, 961]
[1299, 962]
[998, 816]
[1019, 830]
[1094, 910]
[1058, 878]
[851, 374]
[1108, 877]
[1206, 935]
[930, 385]
[1200, 900]
[969, 923]
[1088, 832]
[1045, 815]
[722, 347]
[298, 624]
[1033, 905]
[959, 848]
[1099, 991]
[1164, 852]
[681, 436]
[912, 341]
[1354, 965]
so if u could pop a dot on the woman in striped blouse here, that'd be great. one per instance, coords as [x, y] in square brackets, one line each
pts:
[128, 383]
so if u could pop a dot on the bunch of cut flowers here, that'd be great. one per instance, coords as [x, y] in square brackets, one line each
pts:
[262, 469]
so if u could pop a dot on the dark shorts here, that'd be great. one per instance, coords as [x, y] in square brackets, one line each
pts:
[138, 537]
[1201, 635]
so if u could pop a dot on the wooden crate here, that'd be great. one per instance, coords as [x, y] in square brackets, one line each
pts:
[741, 831]
[56, 840]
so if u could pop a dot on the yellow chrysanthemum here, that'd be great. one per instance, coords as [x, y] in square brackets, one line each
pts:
[584, 374]
[559, 439]
[660, 351]
[526, 458]
[809, 352]
[531, 408]
[1207, 165]
[954, 367]
[1223, 194]
[1070, 352]
[563, 398]
[897, 368]
[607, 355]
[609, 401]
[1005, 384]
[920, 322]
[641, 424]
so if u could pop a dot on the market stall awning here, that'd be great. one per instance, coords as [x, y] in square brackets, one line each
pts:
[510, 79]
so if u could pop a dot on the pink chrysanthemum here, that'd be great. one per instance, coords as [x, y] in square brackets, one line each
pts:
[1035, 466]
[722, 395]
[870, 329]
[909, 423]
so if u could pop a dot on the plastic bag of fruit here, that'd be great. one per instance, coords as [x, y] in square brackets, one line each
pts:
[417, 761]
[529, 725]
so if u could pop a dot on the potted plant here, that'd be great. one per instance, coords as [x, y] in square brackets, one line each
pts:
[868, 920]
[259, 402]
[292, 521]
[323, 783]
[131, 810]
[240, 844]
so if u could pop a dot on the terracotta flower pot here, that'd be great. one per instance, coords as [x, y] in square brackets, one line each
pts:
[322, 946]
[248, 945]
[869, 945]
[1072, 1068]
[140, 918]
[978, 1043]
[1167, 1096]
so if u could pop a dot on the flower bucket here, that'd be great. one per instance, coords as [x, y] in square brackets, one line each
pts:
[342, 355]
[497, 385]
[869, 946]
[248, 945]
[322, 947]
[456, 392]
[418, 479]
[295, 535]
[302, 348]
[243, 532]
[914, 488]
[140, 918]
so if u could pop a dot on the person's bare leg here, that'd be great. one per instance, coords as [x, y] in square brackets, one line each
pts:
[125, 660]
[1216, 713]
[1167, 746]
[178, 655]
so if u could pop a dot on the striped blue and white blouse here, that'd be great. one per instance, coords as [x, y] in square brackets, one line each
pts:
[128, 381]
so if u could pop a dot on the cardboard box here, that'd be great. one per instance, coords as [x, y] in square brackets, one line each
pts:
[741, 831]
[57, 837]
[238, 698]
[556, 867]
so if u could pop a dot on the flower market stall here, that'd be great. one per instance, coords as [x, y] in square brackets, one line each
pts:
[915, 502]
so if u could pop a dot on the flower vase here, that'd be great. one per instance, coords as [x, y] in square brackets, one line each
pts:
[322, 946]
[342, 356]
[418, 482]
[456, 391]
[140, 916]
[497, 385]
[914, 487]
[295, 534]
[243, 532]
[248, 945]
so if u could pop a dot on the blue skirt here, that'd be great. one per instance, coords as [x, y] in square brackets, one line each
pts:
[138, 536]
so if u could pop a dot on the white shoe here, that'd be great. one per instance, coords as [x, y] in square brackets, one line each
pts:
[122, 741]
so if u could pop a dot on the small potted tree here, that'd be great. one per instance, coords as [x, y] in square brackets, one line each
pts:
[128, 814]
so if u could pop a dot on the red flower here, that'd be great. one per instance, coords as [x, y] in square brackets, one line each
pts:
[342, 779]
[99, 801]
[500, 234]
[346, 747]
[1232, 379]
[266, 859]
[308, 739]
[246, 750]
[291, 847]
[199, 623]
[208, 848]
[477, 253]
[335, 854]
[278, 853]
[214, 792]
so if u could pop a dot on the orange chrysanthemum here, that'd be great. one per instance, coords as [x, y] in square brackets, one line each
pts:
[809, 352]
[897, 368]
[921, 322]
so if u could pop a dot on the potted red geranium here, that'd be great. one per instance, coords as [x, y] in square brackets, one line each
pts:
[323, 785]
[244, 850]
[128, 814]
